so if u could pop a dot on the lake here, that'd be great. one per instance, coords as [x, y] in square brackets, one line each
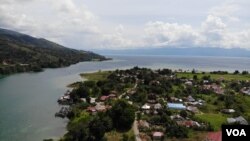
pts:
[28, 101]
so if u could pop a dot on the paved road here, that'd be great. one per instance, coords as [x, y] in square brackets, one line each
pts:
[136, 131]
[135, 86]
[135, 124]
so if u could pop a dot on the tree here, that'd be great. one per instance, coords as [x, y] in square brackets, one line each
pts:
[245, 72]
[138, 115]
[229, 101]
[122, 114]
[195, 77]
[183, 113]
[97, 129]
[193, 71]
[78, 129]
[177, 131]
[236, 72]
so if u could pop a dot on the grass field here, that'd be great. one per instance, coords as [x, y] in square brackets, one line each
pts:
[95, 76]
[117, 136]
[216, 120]
[215, 76]
[193, 136]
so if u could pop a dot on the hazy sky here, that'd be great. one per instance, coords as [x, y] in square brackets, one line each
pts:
[119, 24]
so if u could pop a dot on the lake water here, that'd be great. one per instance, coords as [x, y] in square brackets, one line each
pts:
[28, 101]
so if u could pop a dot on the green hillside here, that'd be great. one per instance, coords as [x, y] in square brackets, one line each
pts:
[21, 53]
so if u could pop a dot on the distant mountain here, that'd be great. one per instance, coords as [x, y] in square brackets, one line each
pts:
[189, 51]
[21, 53]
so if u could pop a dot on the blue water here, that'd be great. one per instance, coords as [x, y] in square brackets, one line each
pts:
[28, 100]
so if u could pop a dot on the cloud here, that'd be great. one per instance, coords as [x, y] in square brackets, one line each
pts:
[225, 11]
[170, 34]
[71, 23]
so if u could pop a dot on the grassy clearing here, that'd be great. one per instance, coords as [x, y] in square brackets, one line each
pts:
[117, 136]
[215, 76]
[193, 136]
[74, 85]
[213, 105]
[96, 76]
[216, 120]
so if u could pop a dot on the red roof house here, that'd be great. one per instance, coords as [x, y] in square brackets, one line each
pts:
[104, 98]
[214, 136]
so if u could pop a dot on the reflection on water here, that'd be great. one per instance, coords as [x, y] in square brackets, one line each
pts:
[28, 100]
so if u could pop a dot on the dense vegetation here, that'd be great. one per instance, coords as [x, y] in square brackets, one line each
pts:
[84, 127]
[21, 53]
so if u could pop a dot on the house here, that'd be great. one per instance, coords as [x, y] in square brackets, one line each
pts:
[228, 111]
[83, 99]
[214, 136]
[143, 124]
[100, 107]
[205, 81]
[92, 100]
[130, 102]
[112, 96]
[174, 99]
[176, 106]
[189, 83]
[145, 107]
[158, 136]
[190, 99]
[188, 123]
[113, 92]
[245, 91]
[104, 98]
[214, 87]
[193, 109]
[157, 106]
[239, 120]
[152, 98]
[176, 117]
[195, 103]
[92, 110]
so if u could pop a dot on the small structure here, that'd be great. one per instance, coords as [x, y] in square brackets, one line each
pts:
[239, 120]
[92, 110]
[92, 100]
[158, 136]
[214, 87]
[112, 96]
[228, 111]
[83, 99]
[100, 107]
[177, 117]
[130, 102]
[143, 124]
[214, 136]
[104, 98]
[193, 109]
[145, 107]
[190, 99]
[188, 123]
[245, 91]
[176, 106]
[205, 81]
[157, 106]
[189, 83]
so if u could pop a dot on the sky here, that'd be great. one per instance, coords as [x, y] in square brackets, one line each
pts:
[128, 24]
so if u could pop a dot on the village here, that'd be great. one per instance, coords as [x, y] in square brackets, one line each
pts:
[169, 105]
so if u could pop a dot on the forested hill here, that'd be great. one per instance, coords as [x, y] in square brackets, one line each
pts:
[22, 53]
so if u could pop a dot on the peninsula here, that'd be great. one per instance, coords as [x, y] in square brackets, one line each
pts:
[144, 104]
[23, 53]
